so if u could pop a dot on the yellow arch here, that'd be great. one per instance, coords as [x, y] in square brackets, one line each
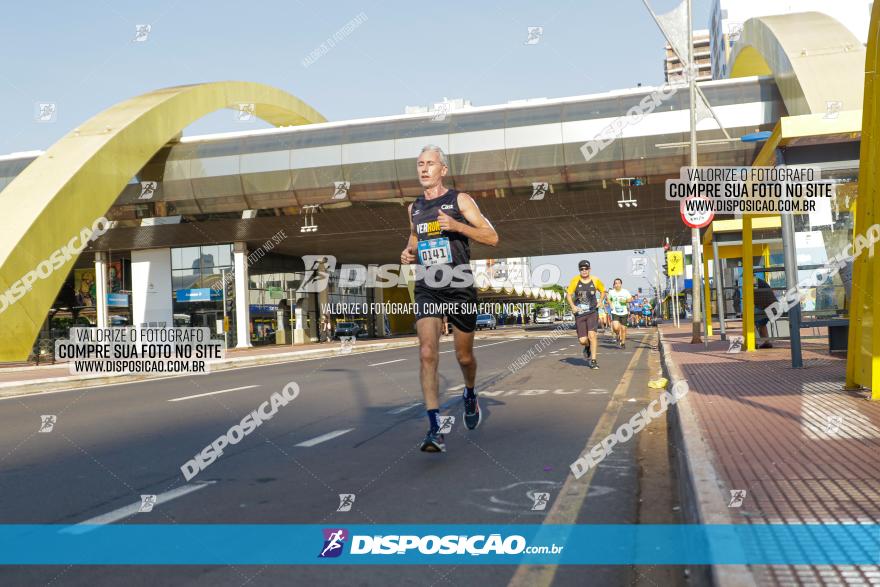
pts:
[814, 59]
[863, 358]
[80, 176]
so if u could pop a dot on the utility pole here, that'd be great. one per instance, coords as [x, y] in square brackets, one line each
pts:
[696, 260]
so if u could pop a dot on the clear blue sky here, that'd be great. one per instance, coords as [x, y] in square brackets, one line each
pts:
[81, 55]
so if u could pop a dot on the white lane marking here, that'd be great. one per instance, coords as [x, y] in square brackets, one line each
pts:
[477, 347]
[130, 510]
[385, 362]
[491, 344]
[180, 399]
[456, 388]
[325, 437]
[403, 409]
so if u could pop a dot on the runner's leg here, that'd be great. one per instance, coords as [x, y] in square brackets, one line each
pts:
[464, 353]
[429, 357]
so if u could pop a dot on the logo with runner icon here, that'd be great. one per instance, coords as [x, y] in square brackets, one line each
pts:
[334, 542]
[346, 500]
[446, 423]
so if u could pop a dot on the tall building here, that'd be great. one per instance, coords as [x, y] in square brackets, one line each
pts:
[673, 68]
[728, 16]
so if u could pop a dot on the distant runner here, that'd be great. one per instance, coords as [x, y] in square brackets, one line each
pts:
[619, 299]
[647, 311]
[585, 295]
[442, 223]
[635, 310]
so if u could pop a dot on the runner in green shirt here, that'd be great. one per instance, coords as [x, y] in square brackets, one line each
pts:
[620, 299]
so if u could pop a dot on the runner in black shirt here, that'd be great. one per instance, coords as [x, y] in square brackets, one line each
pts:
[442, 223]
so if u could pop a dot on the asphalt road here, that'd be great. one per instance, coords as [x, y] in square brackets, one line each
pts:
[354, 428]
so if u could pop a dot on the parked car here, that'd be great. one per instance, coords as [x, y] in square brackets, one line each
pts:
[546, 316]
[347, 329]
[486, 321]
[568, 317]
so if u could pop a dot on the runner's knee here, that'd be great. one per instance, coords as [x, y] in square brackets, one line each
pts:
[428, 354]
[465, 358]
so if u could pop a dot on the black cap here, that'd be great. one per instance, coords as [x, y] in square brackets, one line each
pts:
[584, 264]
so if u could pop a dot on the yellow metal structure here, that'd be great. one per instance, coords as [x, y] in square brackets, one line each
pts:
[863, 358]
[77, 180]
[817, 64]
[813, 57]
[739, 251]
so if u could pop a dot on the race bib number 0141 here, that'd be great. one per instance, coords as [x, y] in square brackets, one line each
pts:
[435, 251]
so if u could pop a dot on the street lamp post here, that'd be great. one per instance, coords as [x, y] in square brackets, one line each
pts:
[696, 259]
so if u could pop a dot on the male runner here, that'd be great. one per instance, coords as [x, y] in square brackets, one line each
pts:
[635, 310]
[442, 223]
[585, 295]
[619, 299]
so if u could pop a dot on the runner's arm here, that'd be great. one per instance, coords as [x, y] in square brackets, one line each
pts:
[480, 229]
[408, 255]
[568, 295]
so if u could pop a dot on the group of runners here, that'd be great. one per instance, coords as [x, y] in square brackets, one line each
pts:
[594, 307]
[442, 222]
[639, 311]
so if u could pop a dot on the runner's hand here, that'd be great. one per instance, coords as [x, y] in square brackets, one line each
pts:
[407, 257]
[447, 223]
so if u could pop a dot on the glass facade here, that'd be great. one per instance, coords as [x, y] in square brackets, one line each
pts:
[198, 278]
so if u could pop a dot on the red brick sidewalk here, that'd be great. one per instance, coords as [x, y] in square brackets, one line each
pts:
[803, 450]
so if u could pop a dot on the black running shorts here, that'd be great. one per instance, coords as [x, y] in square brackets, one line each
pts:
[458, 304]
[622, 318]
[586, 323]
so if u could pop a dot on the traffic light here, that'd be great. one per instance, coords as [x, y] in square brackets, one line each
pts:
[666, 269]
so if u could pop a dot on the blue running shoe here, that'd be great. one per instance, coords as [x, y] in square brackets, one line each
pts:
[472, 414]
[434, 442]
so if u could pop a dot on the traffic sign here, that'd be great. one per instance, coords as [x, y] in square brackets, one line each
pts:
[696, 218]
[675, 260]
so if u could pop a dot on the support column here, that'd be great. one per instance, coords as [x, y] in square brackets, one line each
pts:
[789, 250]
[299, 333]
[151, 293]
[378, 299]
[101, 289]
[707, 295]
[242, 307]
[719, 287]
[748, 286]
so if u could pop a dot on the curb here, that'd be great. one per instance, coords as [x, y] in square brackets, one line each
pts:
[701, 487]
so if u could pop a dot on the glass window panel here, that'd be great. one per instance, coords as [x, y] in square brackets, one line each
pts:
[176, 261]
[209, 256]
[184, 280]
[218, 148]
[535, 115]
[189, 258]
[476, 121]
[224, 255]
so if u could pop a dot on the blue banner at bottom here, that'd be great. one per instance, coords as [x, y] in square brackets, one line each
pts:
[271, 544]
